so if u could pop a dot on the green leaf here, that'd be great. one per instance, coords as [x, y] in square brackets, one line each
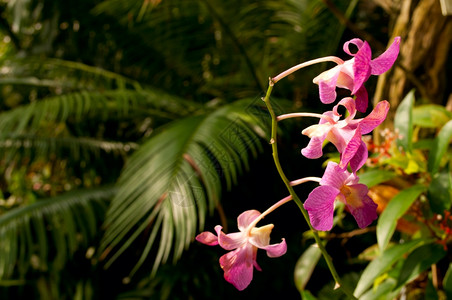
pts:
[418, 261]
[306, 295]
[447, 282]
[440, 192]
[176, 177]
[383, 263]
[431, 116]
[24, 231]
[394, 210]
[305, 266]
[403, 121]
[374, 177]
[384, 290]
[439, 148]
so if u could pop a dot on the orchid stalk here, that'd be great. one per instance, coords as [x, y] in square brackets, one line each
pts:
[289, 186]
[337, 184]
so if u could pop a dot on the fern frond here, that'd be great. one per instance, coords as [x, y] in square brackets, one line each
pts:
[176, 177]
[56, 226]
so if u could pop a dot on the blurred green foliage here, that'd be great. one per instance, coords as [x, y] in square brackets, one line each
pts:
[126, 127]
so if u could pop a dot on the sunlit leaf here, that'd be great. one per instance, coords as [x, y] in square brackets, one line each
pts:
[403, 122]
[439, 148]
[394, 210]
[305, 266]
[375, 176]
[440, 192]
[383, 263]
[418, 261]
[431, 116]
[447, 282]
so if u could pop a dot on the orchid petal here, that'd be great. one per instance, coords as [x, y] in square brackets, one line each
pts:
[362, 99]
[246, 218]
[260, 236]
[375, 118]
[360, 157]
[334, 176]
[351, 149]
[314, 148]
[230, 241]
[340, 137]
[238, 266]
[327, 87]
[349, 104]
[357, 42]
[361, 67]
[320, 207]
[207, 238]
[385, 61]
[276, 250]
[317, 130]
[361, 206]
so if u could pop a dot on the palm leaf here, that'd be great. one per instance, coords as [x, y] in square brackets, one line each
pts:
[79, 106]
[69, 75]
[60, 225]
[176, 177]
[226, 41]
[17, 147]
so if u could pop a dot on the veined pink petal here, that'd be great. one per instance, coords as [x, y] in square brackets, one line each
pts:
[361, 67]
[351, 179]
[349, 104]
[314, 148]
[276, 250]
[340, 137]
[361, 206]
[327, 87]
[375, 118]
[351, 149]
[360, 157]
[385, 61]
[230, 241]
[334, 176]
[320, 207]
[362, 99]
[357, 42]
[207, 238]
[246, 218]
[238, 266]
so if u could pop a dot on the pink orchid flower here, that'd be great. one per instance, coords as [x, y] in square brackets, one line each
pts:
[339, 184]
[352, 73]
[344, 134]
[238, 264]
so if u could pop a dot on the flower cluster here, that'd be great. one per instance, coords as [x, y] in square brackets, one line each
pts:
[337, 183]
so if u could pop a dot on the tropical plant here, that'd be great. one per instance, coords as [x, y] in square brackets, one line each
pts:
[125, 124]
[141, 126]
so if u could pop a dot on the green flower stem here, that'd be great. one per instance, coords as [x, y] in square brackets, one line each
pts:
[295, 197]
